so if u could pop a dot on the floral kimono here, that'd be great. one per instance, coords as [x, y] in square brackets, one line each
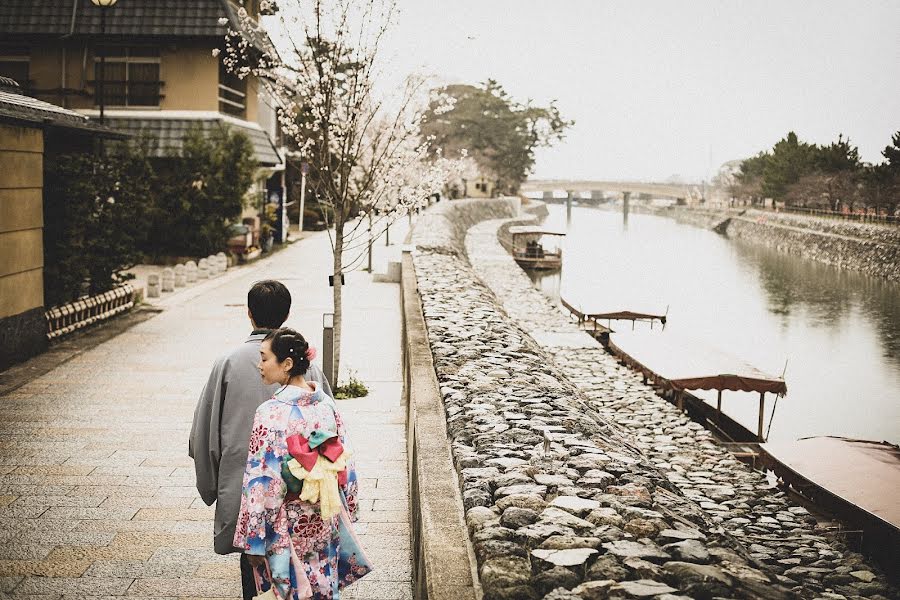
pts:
[272, 516]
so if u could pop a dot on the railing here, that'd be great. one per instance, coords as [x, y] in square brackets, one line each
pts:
[865, 217]
[62, 320]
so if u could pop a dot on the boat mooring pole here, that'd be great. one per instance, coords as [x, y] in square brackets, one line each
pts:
[569, 208]
[762, 408]
[719, 409]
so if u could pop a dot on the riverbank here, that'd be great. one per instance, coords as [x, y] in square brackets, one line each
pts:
[870, 248]
[573, 474]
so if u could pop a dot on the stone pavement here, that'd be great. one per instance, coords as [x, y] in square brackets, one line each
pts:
[97, 494]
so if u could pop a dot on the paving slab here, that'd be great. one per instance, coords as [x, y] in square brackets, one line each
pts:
[97, 494]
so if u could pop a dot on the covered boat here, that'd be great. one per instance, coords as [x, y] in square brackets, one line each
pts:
[681, 364]
[535, 247]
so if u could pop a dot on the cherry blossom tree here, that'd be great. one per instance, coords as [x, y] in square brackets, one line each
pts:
[368, 163]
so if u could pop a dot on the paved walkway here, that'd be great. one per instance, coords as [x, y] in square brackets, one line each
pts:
[97, 493]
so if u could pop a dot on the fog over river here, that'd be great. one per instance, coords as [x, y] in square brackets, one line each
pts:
[838, 331]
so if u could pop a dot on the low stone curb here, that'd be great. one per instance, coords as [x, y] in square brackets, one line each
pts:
[442, 565]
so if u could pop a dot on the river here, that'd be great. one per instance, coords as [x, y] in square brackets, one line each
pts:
[837, 331]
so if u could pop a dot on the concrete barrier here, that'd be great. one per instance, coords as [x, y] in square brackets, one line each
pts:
[168, 280]
[180, 276]
[153, 287]
[190, 271]
[443, 562]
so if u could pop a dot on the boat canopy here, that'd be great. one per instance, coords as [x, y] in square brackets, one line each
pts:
[863, 473]
[614, 313]
[534, 230]
[687, 365]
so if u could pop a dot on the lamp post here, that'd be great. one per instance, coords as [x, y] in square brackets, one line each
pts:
[103, 4]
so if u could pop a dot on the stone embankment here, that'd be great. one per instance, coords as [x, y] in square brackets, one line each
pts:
[870, 248]
[578, 482]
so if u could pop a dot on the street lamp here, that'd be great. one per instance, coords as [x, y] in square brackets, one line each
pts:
[103, 4]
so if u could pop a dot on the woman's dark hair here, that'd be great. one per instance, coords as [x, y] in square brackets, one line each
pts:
[287, 343]
[269, 303]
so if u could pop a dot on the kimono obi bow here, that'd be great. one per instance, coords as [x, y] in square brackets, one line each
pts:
[320, 442]
[320, 465]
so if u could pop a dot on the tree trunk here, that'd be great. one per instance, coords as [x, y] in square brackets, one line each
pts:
[338, 312]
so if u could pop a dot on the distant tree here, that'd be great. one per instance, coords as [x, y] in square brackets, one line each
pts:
[749, 180]
[882, 182]
[790, 160]
[804, 174]
[834, 178]
[499, 133]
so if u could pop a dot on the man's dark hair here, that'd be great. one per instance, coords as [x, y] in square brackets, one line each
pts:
[269, 303]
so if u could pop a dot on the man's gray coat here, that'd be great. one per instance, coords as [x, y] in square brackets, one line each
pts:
[220, 435]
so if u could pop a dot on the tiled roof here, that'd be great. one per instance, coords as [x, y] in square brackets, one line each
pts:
[15, 106]
[170, 133]
[22, 19]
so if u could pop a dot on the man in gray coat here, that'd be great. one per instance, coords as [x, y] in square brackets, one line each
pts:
[220, 435]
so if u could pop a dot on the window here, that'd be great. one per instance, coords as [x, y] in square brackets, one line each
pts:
[131, 77]
[15, 64]
[232, 93]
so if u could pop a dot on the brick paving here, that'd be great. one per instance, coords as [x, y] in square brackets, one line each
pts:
[97, 494]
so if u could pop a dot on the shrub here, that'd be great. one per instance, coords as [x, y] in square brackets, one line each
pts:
[354, 388]
[94, 219]
[202, 189]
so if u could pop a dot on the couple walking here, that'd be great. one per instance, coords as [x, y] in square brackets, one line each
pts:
[270, 448]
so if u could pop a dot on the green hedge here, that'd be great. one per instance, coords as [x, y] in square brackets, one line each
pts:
[103, 216]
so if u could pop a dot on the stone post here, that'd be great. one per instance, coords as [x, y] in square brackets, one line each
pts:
[213, 265]
[203, 269]
[168, 280]
[180, 277]
[153, 285]
[223, 261]
[190, 271]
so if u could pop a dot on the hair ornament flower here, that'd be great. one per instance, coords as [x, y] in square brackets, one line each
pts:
[311, 353]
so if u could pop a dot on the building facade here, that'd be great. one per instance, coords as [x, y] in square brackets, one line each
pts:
[160, 76]
[28, 129]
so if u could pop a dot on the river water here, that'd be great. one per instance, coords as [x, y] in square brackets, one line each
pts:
[837, 331]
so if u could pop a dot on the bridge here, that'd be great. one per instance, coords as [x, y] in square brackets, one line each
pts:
[690, 193]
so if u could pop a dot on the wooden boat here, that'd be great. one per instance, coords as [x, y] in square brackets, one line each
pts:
[589, 319]
[678, 365]
[532, 249]
[855, 480]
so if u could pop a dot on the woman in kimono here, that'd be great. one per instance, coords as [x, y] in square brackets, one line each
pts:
[299, 493]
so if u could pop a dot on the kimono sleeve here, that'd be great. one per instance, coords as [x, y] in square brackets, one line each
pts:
[261, 526]
[204, 444]
[351, 488]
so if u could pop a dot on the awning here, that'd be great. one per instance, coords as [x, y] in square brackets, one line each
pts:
[690, 365]
[15, 106]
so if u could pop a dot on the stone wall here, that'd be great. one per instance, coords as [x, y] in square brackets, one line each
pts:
[577, 481]
[870, 248]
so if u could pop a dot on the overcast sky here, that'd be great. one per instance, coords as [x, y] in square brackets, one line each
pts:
[664, 88]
